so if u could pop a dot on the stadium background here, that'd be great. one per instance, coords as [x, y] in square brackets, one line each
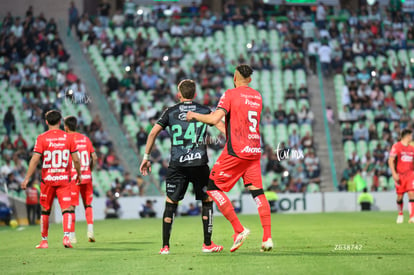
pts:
[117, 97]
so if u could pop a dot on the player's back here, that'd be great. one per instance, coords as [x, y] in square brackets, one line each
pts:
[55, 147]
[85, 150]
[243, 106]
[188, 147]
[404, 156]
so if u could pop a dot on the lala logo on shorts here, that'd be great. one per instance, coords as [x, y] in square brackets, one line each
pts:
[190, 156]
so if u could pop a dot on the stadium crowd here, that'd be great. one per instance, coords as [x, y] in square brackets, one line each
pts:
[369, 53]
[34, 72]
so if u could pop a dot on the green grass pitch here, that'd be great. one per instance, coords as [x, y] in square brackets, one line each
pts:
[305, 244]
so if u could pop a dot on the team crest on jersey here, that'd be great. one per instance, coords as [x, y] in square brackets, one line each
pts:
[182, 116]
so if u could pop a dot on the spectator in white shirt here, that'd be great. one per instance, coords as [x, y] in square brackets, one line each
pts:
[324, 53]
[83, 26]
[78, 91]
[321, 16]
[176, 30]
[361, 133]
[294, 139]
[118, 19]
[17, 28]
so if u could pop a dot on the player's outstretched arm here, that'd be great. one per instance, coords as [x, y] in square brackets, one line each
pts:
[222, 128]
[391, 164]
[32, 168]
[145, 167]
[77, 164]
[212, 118]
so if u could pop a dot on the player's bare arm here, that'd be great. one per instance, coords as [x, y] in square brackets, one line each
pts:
[213, 118]
[34, 161]
[391, 164]
[94, 161]
[145, 167]
[77, 164]
[221, 127]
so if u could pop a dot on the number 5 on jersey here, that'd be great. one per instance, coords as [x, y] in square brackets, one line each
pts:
[252, 116]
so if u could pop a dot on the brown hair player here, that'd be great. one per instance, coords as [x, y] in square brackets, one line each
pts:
[402, 169]
[54, 148]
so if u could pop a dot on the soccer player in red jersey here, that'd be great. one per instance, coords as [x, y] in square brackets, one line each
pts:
[402, 168]
[241, 155]
[88, 159]
[54, 147]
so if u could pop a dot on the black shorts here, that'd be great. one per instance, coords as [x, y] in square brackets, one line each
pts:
[178, 179]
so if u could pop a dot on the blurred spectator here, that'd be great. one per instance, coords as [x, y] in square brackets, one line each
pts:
[112, 206]
[9, 121]
[142, 136]
[73, 17]
[32, 203]
[365, 200]
[148, 210]
[324, 53]
[103, 10]
[20, 142]
[361, 133]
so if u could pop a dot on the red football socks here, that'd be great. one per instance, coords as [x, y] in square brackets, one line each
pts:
[89, 215]
[67, 222]
[226, 208]
[411, 209]
[264, 213]
[44, 225]
[73, 217]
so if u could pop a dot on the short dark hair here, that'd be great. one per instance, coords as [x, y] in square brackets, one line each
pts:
[71, 122]
[405, 132]
[245, 70]
[53, 117]
[187, 88]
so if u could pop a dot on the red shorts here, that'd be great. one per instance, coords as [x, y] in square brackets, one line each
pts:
[229, 169]
[48, 192]
[86, 191]
[406, 183]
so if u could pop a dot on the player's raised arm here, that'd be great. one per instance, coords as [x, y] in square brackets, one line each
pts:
[34, 161]
[213, 118]
[145, 167]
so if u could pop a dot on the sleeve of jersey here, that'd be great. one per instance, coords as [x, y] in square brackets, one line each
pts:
[73, 148]
[163, 120]
[38, 147]
[394, 151]
[224, 103]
